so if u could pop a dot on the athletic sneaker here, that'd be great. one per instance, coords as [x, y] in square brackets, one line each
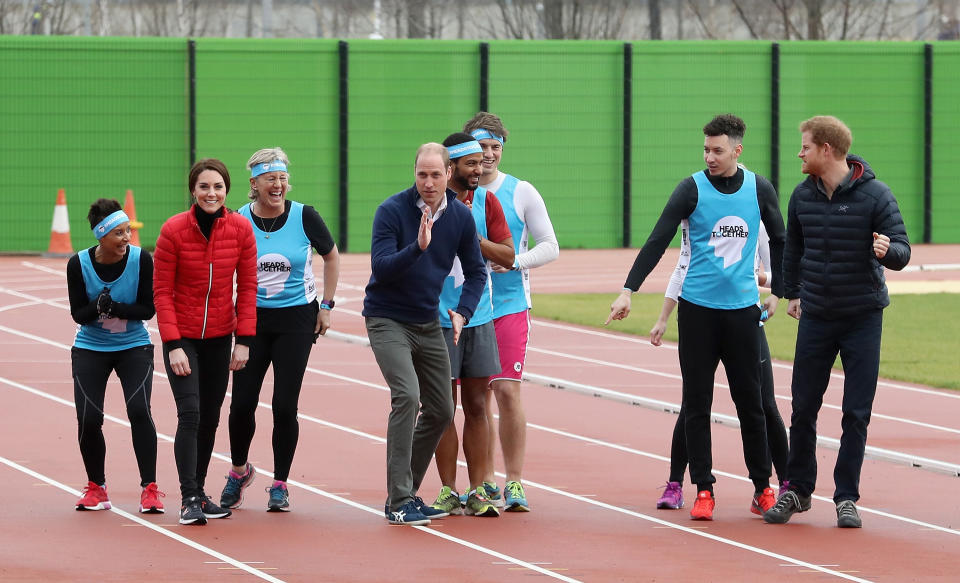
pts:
[210, 509]
[763, 501]
[672, 496]
[703, 506]
[789, 503]
[94, 498]
[516, 500]
[493, 493]
[191, 513]
[150, 500]
[448, 500]
[232, 495]
[407, 514]
[279, 498]
[847, 515]
[427, 510]
[479, 505]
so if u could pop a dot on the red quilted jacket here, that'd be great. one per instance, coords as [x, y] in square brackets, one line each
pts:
[193, 278]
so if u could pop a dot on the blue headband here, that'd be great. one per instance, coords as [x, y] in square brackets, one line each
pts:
[464, 149]
[482, 134]
[275, 166]
[109, 223]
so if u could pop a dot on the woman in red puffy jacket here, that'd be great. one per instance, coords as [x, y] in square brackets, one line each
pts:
[197, 255]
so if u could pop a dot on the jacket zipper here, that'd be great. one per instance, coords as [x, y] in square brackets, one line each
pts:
[206, 302]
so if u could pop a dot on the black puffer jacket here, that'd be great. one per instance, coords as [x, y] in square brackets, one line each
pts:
[828, 260]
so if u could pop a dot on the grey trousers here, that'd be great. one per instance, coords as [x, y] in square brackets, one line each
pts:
[414, 362]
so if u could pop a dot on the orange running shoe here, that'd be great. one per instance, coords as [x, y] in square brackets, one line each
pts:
[763, 501]
[703, 506]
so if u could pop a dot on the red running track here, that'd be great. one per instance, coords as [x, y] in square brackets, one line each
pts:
[592, 471]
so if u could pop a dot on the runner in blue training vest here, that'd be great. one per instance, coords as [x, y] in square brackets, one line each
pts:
[720, 208]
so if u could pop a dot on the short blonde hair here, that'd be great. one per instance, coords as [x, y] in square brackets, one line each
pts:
[826, 129]
[433, 148]
[267, 155]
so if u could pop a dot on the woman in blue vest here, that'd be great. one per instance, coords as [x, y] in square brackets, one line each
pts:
[289, 320]
[111, 298]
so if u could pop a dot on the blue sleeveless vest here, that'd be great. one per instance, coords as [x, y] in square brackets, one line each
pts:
[723, 231]
[450, 293]
[510, 289]
[284, 262]
[112, 334]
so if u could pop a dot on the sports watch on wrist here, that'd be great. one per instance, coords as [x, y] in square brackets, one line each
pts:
[327, 304]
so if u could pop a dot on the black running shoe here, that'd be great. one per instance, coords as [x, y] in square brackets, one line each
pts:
[786, 506]
[279, 498]
[847, 515]
[211, 510]
[191, 513]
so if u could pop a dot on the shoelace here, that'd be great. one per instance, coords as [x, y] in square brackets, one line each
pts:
[516, 490]
[277, 493]
[789, 497]
[847, 510]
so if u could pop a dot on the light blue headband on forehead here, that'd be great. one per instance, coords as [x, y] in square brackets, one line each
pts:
[275, 166]
[109, 223]
[482, 134]
[464, 149]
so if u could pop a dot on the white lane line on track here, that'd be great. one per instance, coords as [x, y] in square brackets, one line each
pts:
[941, 466]
[141, 522]
[872, 452]
[307, 487]
[624, 337]
[544, 487]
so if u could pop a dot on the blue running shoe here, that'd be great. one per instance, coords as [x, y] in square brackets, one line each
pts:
[493, 494]
[408, 514]
[516, 500]
[429, 511]
[232, 495]
[279, 498]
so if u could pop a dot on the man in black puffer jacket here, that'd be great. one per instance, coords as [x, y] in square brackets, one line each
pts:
[843, 228]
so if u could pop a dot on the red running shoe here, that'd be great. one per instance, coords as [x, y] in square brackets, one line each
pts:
[703, 506]
[763, 501]
[150, 500]
[94, 498]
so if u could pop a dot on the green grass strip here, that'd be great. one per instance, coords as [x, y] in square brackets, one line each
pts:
[921, 333]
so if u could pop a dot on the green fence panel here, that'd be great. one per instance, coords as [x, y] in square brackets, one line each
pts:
[677, 88]
[94, 116]
[945, 225]
[265, 93]
[562, 103]
[402, 94]
[877, 90]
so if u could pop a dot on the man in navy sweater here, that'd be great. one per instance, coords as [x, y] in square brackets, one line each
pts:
[417, 236]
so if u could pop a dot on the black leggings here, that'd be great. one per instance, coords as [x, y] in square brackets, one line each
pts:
[134, 367]
[289, 353]
[199, 396]
[776, 431]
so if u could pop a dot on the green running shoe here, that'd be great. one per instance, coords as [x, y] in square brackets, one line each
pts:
[448, 500]
[479, 505]
[516, 498]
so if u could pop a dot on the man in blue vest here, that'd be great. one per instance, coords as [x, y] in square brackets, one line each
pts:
[417, 235]
[721, 207]
[527, 217]
[474, 358]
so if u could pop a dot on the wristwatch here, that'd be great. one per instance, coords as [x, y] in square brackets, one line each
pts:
[327, 304]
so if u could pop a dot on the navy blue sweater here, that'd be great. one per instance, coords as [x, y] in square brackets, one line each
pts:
[405, 282]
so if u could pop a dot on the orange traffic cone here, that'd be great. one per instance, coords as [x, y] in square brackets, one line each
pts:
[131, 209]
[60, 245]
